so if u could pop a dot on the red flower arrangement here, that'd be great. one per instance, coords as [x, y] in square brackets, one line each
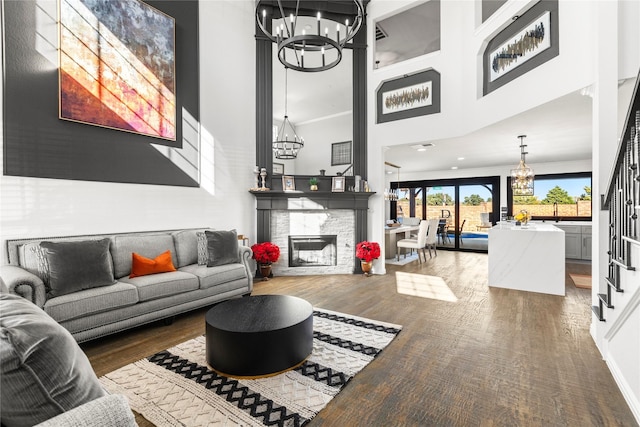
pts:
[265, 252]
[367, 251]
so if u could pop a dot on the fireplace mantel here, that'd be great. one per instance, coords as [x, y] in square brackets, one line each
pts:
[267, 201]
[295, 200]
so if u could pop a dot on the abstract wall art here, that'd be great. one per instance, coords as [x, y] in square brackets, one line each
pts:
[117, 66]
[412, 95]
[530, 41]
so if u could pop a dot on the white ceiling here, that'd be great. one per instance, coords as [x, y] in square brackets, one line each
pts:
[557, 131]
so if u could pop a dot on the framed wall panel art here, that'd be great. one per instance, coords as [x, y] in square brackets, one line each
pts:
[120, 103]
[341, 153]
[408, 96]
[528, 42]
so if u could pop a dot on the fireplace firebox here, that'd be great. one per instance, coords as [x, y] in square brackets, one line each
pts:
[313, 251]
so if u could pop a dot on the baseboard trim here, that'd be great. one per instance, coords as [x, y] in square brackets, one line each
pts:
[625, 389]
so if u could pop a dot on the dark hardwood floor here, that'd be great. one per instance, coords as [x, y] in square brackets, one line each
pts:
[495, 357]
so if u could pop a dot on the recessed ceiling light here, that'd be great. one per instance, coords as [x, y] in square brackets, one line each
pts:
[460, 158]
[454, 167]
[422, 147]
[389, 172]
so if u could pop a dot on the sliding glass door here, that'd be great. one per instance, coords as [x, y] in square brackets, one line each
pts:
[476, 216]
[465, 208]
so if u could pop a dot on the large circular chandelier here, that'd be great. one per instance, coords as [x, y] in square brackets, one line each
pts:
[309, 40]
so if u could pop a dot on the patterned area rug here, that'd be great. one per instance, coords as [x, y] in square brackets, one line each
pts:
[175, 387]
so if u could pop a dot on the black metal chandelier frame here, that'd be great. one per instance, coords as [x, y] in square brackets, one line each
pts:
[287, 40]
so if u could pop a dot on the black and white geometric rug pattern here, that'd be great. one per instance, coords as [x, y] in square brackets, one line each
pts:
[175, 387]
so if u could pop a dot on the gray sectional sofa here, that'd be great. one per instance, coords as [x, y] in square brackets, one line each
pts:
[84, 283]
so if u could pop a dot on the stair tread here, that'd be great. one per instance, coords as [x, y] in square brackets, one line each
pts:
[596, 310]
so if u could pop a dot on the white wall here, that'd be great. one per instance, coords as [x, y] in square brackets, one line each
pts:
[318, 137]
[33, 207]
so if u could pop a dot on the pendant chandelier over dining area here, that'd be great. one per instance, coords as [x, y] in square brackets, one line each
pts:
[309, 35]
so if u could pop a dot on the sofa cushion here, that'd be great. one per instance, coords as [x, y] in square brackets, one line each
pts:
[163, 284]
[91, 301]
[142, 266]
[212, 276]
[186, 243]
[74, 266]
[222, 247]
[149, 245]
[43, 370]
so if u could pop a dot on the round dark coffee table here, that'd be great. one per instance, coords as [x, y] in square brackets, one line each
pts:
[259, 335]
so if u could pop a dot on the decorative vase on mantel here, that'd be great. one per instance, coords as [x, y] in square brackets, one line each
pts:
[265, 271]
[366, 267]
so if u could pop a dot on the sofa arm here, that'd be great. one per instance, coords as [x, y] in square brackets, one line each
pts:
[22, 283]
[245, 253]
[108, 411]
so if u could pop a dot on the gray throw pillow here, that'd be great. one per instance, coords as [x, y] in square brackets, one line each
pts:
[222, 247]
[43, 371]
[75, 266]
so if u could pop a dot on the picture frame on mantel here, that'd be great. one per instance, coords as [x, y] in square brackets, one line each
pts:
[337, 184]
[408, 96]
[288, 183]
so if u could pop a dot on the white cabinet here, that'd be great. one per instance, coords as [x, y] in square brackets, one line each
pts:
[572, 245]
[577, 240]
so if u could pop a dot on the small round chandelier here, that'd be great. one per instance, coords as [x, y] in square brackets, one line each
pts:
[283, 147]
[522, 176]
[306, 39]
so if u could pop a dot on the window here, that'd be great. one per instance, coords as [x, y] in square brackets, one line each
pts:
[556, 196]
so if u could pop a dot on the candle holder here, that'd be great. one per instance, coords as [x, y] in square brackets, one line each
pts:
[263, 175]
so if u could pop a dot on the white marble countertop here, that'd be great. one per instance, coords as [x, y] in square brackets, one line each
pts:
[538, 226]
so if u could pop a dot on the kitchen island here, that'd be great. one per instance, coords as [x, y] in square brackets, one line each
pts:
[527, 258]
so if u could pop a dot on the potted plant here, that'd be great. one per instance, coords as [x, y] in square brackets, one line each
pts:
[367, 252]
[265, 253]
[313, 184]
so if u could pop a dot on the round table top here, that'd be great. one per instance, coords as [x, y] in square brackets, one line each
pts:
[258, 313]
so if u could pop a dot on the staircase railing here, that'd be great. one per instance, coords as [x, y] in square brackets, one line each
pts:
[622, 199]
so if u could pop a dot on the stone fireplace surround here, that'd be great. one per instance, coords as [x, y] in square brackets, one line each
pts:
[280, 214]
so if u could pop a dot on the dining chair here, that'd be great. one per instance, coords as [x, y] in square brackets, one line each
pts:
[417, 244]
[432, 237]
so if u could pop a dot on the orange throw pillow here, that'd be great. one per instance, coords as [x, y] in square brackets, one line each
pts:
[141, 266]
